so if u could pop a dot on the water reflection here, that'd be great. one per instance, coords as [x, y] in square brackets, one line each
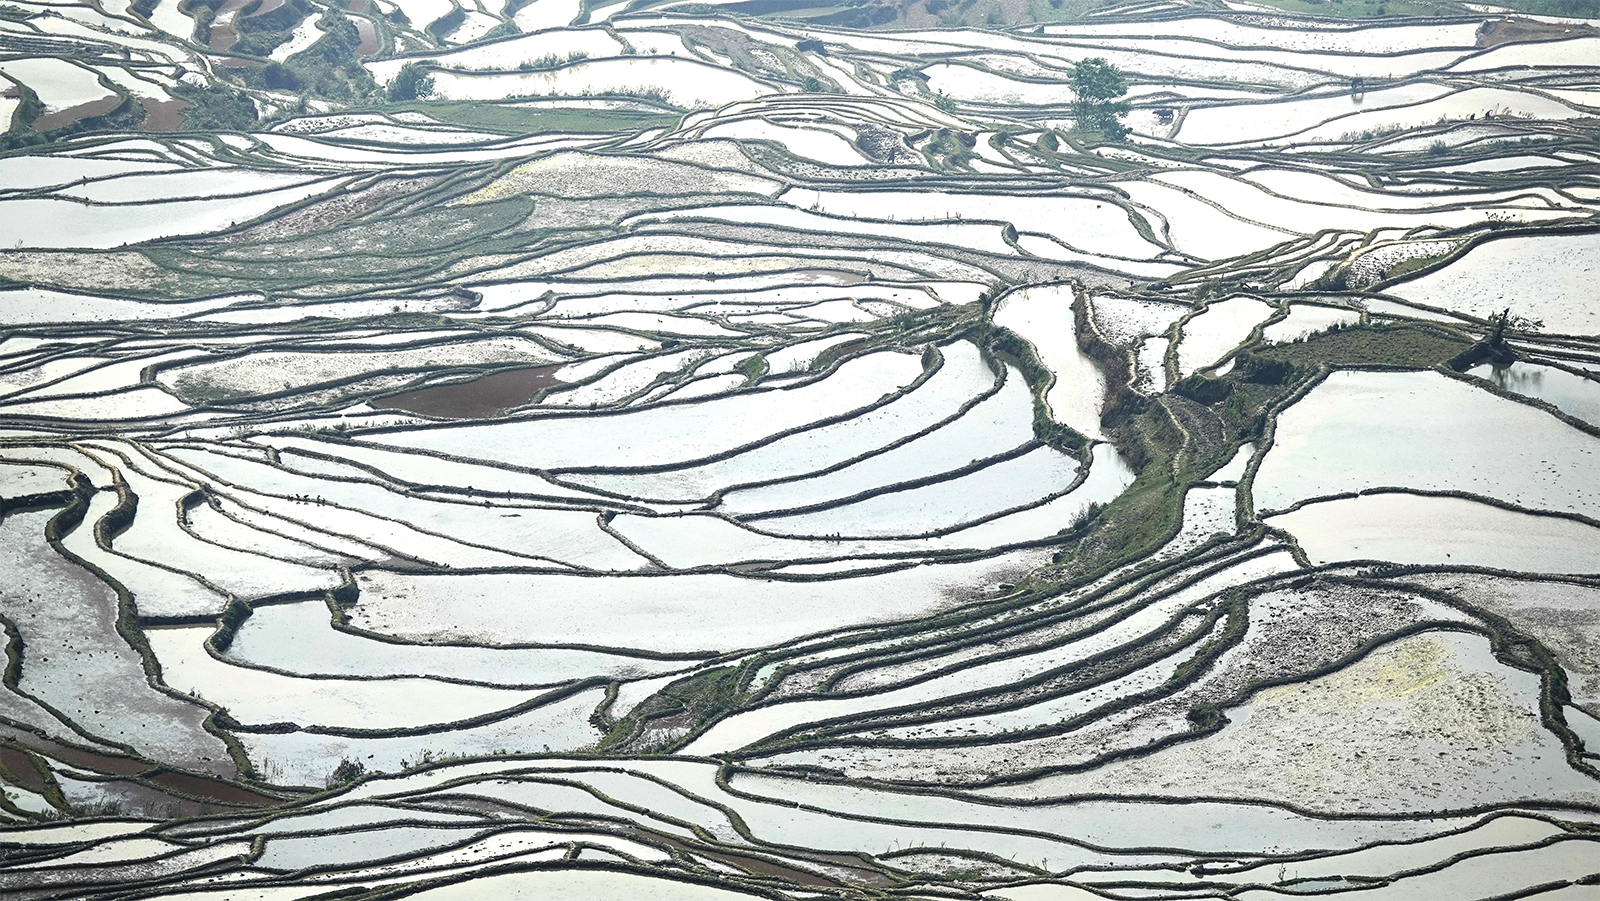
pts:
[1517, 377]
[1572, 394]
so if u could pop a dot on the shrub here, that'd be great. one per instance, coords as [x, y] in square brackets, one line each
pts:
[551, 61]
[1264, 371]
[1202, 390]
[217, 108]
[346, 772]
[412, 83]
[279, 77]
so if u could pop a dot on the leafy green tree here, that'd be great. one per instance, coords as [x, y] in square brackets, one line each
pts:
[412, 83]
[1097, 84]
[279, 77]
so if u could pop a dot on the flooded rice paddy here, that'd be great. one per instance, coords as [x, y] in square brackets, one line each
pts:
[685, 452]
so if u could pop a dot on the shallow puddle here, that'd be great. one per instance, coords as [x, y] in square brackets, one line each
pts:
[480, 397]
[368, 35]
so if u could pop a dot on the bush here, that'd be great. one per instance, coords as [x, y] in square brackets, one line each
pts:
[811, 84]
[346, 772]
[1202, 390]
[330, 67]
[279, 77]
[1264, 371]
[551, 61]
[217, 108]
[412, 83]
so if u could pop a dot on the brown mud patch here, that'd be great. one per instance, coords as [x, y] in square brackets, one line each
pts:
[480, 397]
[82, 758]
[213, 789]
[72, 114]
[21, 769]
[224, 30]
[368, 34]
[1509, 31]
[163, 115]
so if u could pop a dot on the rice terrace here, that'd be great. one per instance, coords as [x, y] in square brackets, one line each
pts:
[942, 450]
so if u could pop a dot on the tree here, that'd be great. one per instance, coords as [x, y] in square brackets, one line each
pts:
[1097, 84]
[279, 77]
[412, 83]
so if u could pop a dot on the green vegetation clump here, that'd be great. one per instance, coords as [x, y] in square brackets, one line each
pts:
[330, 67]
[1097, 84]
[1403, 345]
[446, 23]
[1203, 390]
[260, 35]
[1581, 9]
[506, 29]
[233, 616]
[752, 368]
[346, 772]
[1264, 371]
[412, 83]
[217, 107]
[28, 109]
[691, 702]
[1363, 9]
[551, 61]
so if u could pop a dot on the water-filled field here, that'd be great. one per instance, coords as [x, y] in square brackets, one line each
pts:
[743, 450]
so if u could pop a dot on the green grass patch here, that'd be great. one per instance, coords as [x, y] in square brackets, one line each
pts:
[521, 120]
[692, 701]
[1407, 345]
[1364, 9]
